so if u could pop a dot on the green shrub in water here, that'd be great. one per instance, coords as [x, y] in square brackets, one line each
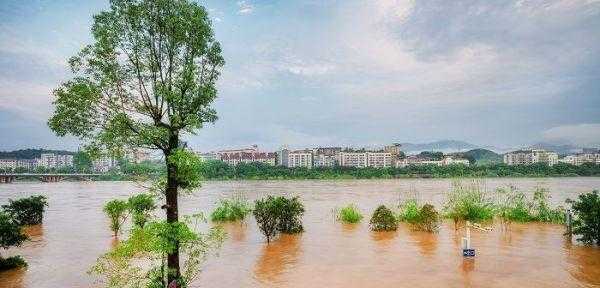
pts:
[383, 220]
[468, 203]
[10, 235]
[27, 211]
[512, 206]
[586, 210]
[278, 214]
[140, 206]
[429, 219]
[233, 209]
[409, 212]
[12, 263]
[424, 218]
[542, 212]
[349, 214]
[116, 210]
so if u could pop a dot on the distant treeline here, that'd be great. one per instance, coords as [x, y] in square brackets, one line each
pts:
[218, 170]
[31, 153]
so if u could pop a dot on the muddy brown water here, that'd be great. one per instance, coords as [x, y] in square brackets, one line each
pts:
[328, 254]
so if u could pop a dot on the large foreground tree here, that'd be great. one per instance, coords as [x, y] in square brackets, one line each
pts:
[147, 79]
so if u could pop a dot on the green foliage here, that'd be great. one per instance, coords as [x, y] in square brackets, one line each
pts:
[409, 212]
[429, 219]
[140, 261]
[140, 206]
[291, 212]
[424, 218]
[187, 165]
[349, 214]
[27, 211]
[10, 232]
[233, 209]
[383, 220]
[220, 170]
[12, 263]
[468, 203]
[82, 162]
[278, 214]
[542, 212]
[431, 155]
[512, 206]
[587, 217]
[117, 212]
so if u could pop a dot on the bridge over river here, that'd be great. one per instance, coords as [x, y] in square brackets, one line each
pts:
[46, 177]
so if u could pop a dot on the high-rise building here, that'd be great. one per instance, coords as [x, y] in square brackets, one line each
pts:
[326, 156]
[528, 157]
[379, 159]
[353, 159]
[51, 160]
[300, 158]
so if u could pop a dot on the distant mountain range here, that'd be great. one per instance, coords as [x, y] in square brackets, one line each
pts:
[31, 153]
[446, 146]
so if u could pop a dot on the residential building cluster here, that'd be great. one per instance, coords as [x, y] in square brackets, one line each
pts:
[107, 163]
[46, 160]
[532, 156]
[389, 156]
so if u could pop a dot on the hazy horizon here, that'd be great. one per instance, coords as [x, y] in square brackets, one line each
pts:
[352, 73]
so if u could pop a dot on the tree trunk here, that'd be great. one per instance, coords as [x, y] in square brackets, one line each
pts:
[172, 211]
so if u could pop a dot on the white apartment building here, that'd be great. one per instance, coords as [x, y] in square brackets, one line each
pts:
[326, 157]
[379, 159]
[300, 158]
[528, 157]
[580, 159]
[8, 164]
[413, 160]
[353, 159]
[104, 164]
[246, 157]
[208, 156]
[51, 160]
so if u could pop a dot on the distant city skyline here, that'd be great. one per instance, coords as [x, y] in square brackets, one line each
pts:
[352, 73]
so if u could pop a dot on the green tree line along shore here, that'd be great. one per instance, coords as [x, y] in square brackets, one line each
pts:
[218, 170]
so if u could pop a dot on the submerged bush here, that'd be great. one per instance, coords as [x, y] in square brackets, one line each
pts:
[12, 263]
[117, 212]
[27, 211]
[140, 206]
[424, 218]
[512, 206]
[349, 214]
[429, 219]
[409, 212]
[587, 217]
[542, 212]
[278, 214]
[233, 209]
[10, 235]
[468, 203]
[383, 220]
[290, 218]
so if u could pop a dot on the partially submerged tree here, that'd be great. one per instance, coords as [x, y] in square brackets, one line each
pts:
[587, 217]
[383, 219]
[10, 235]
[116, 210]
[147, 79]
[141, 206]
[27, 211]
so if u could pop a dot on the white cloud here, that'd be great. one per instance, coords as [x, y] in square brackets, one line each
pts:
[578, 134]
[244, 7]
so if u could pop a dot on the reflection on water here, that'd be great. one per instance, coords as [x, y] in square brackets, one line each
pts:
[277, 257]
[329, 254]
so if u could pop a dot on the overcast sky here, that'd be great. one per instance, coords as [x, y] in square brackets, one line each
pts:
[360, 73]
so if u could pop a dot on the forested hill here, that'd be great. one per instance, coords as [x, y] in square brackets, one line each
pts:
[30, 153]
[481, 156]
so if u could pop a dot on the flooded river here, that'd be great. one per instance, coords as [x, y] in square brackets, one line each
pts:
[328, 254]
